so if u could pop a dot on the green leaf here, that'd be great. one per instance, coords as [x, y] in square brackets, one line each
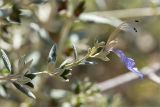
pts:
[24, 90]
[6, 60]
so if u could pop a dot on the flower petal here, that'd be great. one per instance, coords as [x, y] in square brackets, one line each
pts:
[128, 62]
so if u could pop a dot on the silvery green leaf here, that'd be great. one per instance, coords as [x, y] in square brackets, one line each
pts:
[6, 60]
[24, 90]
[52, 54]
[75, 52]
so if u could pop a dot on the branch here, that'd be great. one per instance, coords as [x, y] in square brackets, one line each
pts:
[128, 77]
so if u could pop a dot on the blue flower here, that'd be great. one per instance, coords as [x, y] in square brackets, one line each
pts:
[128, 62]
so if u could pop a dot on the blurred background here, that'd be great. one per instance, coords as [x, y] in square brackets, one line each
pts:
[32, 26]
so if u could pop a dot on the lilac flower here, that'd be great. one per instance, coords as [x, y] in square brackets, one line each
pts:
[128, 62]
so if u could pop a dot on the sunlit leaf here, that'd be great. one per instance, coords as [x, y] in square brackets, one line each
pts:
[52, 54]
[24, 90]
[6, 60]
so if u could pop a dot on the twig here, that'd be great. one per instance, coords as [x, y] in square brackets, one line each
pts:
[128, 77]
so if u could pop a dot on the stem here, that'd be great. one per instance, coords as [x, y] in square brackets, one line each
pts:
[63, 36]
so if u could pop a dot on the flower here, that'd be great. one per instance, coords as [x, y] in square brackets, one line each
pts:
[128, 62]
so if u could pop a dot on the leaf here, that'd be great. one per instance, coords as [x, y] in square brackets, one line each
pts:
[52, 54]
[79, 9]
[96, 18]
[3, 90]
[6, 60]
[65, 74]
[67, 61]
[31, 76]
[102, 55]
[87, 63]
[24, 67]
[75, 52]
[62, 5]
[29, 84]
[15, 15]
[39, 1]
[23, 80]
[24, 90]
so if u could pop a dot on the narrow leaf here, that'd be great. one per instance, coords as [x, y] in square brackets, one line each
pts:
[6, 60]
[29, 84]
[25, 67]
[75, 52]
[65, 74]
[87, 63]
[52, 54]
[31, 76]
[24, 90]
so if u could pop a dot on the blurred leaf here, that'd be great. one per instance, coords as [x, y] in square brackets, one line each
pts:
[89, 17]
[52, 54]
[24, 90]
[65, 74]
[75, 52]
[88, 63]
[39, 1]
[4, 72]
[62, 5]
[3, 90]
[22, 66]
[31, 76]
[6, 60]
[23, 80]
[15, 15]
[67, 61]
[29, 84]
[79, 9]
[102, 55]
[77, 88]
